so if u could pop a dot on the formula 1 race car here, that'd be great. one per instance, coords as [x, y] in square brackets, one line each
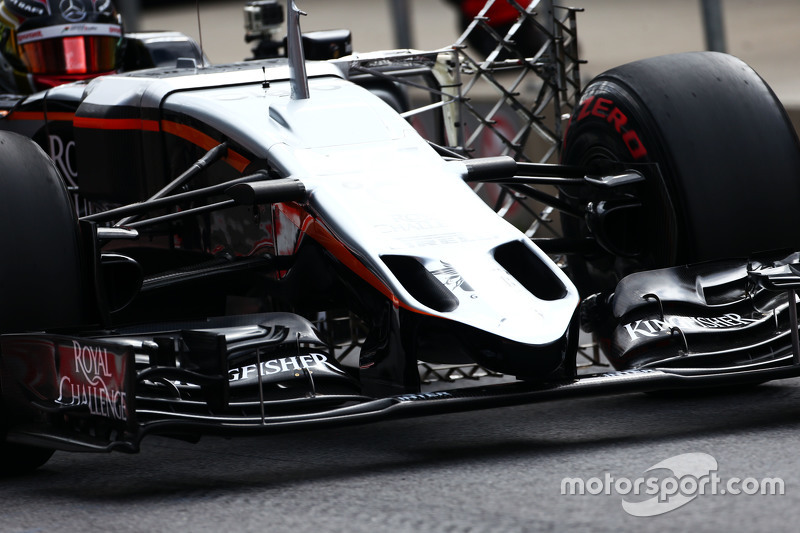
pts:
[274, 244]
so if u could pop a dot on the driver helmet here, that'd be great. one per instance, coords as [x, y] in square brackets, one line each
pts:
[50, 42]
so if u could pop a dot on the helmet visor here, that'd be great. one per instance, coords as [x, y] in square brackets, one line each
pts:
[70, 49]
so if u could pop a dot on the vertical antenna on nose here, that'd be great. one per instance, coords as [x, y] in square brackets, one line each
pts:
[200, 35]
[298, 79]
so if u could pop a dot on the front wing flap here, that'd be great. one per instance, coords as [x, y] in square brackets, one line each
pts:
[714, 314]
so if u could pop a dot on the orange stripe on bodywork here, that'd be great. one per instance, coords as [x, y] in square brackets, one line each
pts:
[317, 231]
[60, 116]
[204, 141]
[116, 124]
[314, 229]
[188, 133]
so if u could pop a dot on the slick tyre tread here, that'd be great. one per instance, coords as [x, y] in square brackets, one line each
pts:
[41, 280]
[41, 268]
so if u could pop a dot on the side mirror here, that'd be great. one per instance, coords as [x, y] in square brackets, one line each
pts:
[327, 44]
[268, 192]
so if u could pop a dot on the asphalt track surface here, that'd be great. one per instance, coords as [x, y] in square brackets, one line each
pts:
[493, 470]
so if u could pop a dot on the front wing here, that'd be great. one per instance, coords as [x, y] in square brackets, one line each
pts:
[84, 394]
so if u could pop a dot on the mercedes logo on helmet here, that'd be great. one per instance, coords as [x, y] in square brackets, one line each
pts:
[72, 10]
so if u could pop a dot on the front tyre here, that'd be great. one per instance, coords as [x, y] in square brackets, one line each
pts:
[720, 158]
[41, 267]
[18, 459]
